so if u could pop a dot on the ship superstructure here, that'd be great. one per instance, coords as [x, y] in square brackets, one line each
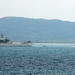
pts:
[3, 40]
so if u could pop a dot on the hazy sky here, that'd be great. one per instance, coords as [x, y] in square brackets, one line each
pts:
[48, 9]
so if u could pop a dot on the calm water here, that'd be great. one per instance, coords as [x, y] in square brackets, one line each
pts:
[37, 60]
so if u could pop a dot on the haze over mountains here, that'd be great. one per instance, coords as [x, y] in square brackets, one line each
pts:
[24, 29]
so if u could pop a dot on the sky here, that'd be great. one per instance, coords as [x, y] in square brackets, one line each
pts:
[46, 9]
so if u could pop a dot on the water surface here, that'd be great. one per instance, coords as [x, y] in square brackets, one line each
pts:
[37, 60]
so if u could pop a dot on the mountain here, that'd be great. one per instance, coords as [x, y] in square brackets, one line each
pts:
[23, 29]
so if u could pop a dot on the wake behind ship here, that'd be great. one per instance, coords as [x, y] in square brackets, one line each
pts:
[6, 42]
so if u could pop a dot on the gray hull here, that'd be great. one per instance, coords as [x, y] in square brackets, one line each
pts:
[19, 45]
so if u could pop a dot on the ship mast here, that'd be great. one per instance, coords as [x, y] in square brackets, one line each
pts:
[1, 35]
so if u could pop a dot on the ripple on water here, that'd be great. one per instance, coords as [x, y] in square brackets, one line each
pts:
[37, 61]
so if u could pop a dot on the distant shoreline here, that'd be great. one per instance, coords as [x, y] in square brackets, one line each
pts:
[55, 42]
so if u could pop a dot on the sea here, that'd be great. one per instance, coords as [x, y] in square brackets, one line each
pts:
[40, 59]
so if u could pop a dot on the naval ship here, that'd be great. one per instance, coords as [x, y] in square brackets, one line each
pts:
[7, 42]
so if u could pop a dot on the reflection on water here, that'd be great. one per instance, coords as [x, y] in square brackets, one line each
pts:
[54, 44]
[37, 61]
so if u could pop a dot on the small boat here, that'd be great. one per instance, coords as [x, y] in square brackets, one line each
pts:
[44, 46]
